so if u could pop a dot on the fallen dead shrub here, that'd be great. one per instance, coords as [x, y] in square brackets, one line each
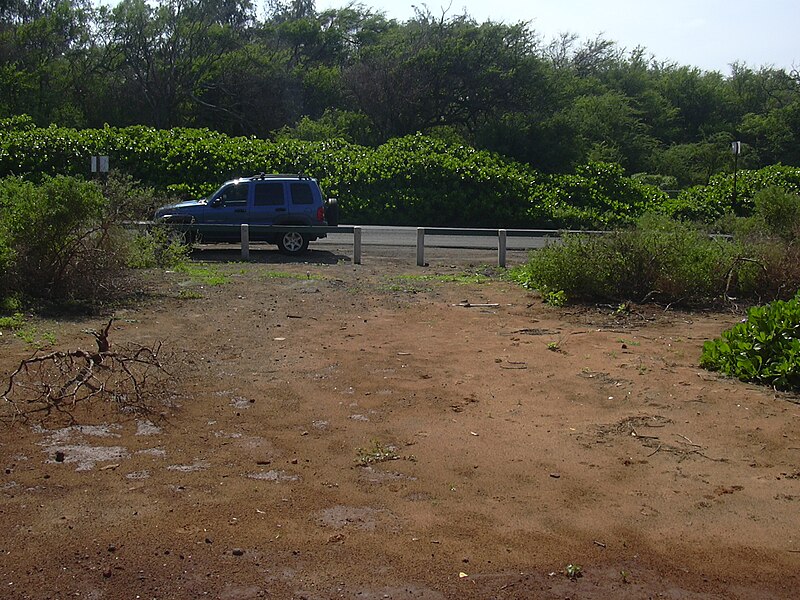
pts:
[131, 377]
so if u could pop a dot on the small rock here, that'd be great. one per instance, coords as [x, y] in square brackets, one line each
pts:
[59, 456]
[555, 475]
[237, 552]
[209, 541]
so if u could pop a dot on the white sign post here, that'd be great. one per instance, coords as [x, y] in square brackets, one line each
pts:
[736, 148]
[99, 164]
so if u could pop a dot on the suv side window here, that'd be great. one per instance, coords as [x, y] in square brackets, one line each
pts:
[302, 194]
[269, 194]
[234, 194]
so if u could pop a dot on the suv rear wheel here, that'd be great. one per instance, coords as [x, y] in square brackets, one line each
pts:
[292, 242]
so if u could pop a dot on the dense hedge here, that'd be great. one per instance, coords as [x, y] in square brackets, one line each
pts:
[414, 180]
[712, 201]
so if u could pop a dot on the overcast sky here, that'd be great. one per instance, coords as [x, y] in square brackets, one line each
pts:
[709, 34]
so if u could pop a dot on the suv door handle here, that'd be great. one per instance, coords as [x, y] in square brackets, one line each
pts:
[280, 210]
[239, 210]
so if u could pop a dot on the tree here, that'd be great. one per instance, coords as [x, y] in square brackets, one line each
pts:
[161, 55]
[46, 48]
[431, 72]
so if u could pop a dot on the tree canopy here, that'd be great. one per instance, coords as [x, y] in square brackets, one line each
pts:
[354, 74]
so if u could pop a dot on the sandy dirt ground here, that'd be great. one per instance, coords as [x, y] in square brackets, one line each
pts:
[375, 431]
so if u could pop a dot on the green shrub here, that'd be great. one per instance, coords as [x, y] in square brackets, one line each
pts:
[414, 180]
[157, 247]
[710, 202]
[764, 349]
[779, 211]
[659, 259]
[599, 195]
[51, 229]
[60, 241]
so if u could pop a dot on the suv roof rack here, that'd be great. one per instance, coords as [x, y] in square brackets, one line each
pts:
[263, 175]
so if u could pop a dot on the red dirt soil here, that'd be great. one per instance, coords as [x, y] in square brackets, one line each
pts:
[350, 433]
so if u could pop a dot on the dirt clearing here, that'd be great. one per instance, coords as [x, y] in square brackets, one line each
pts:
[386, 431]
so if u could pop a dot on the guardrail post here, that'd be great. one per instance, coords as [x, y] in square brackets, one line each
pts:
[245, 241]
[420, 246]
[356, 245]
[501, 247]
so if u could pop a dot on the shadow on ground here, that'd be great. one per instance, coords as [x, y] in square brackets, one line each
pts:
[266, 255]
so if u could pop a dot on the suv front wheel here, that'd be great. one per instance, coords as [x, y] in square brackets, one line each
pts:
[292, 242]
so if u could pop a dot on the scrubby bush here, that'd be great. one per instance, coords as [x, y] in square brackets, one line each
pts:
[63, 240]
[769, 238]
[659, 259]
[55, 235]
[156, 247]
[779, 211]
[764, 349]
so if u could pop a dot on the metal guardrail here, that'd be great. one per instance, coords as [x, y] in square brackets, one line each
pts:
[246, 229]
[459, 231]
[500, 234]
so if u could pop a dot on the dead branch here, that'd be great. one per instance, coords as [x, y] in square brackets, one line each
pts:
[132, 376]
[729, 276]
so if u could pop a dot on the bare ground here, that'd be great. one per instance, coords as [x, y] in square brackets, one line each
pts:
[348, 433]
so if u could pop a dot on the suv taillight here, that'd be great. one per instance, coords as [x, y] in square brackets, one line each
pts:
[321, 214]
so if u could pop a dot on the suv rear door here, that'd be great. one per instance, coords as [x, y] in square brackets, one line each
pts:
[303, 204]
[269, 203]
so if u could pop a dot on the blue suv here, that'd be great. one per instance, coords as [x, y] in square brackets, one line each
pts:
[259, 201]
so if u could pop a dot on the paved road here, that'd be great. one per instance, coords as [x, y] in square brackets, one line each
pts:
[393, 243]
[376, 235]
